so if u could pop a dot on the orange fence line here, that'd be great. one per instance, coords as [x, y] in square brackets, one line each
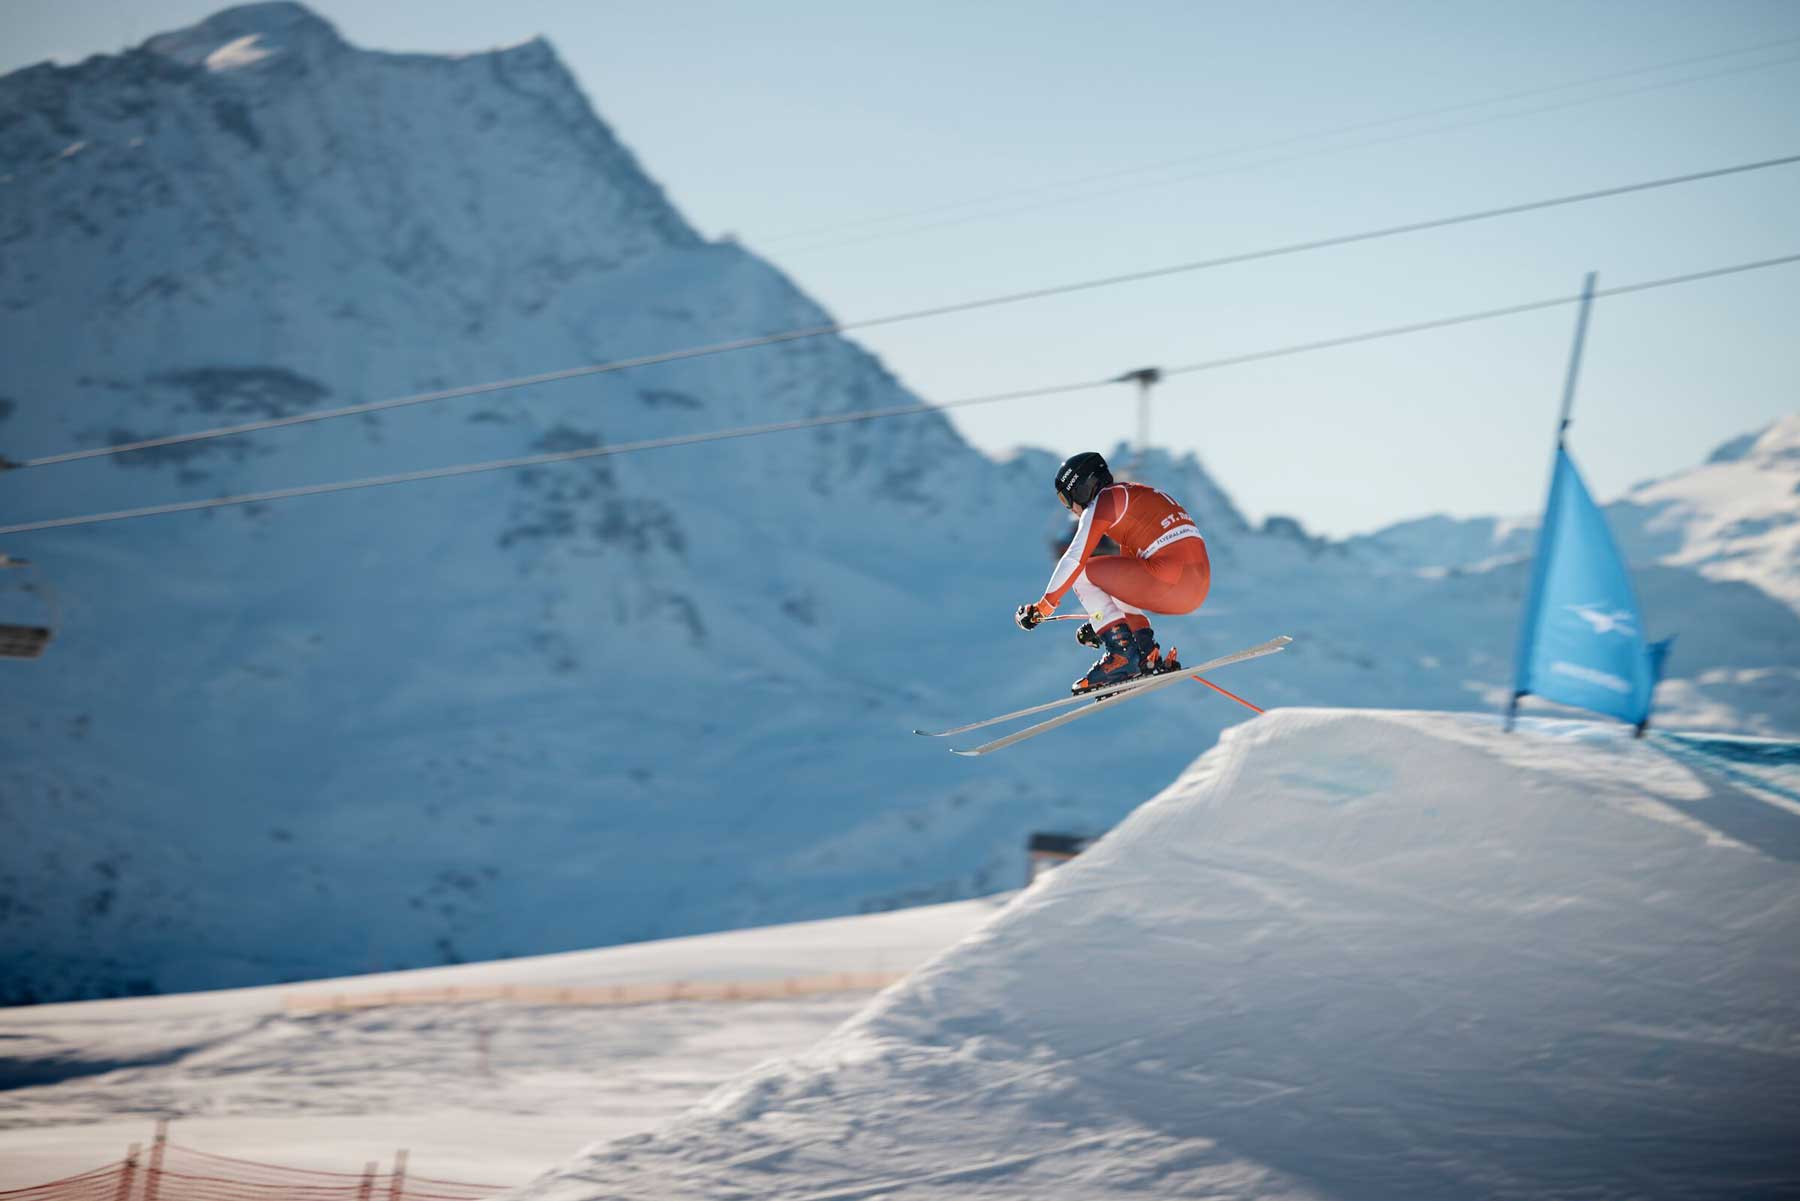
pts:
[133, 1179]
[110, 1169]
[613, 994]
[157, 1176]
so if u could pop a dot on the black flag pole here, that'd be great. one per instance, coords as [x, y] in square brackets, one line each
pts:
[1564, 418]
[1581, 324]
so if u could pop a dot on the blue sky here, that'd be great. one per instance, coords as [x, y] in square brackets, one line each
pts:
[848, 142]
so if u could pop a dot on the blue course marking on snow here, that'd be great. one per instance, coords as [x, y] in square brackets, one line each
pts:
[1731, 756]
[1754, 767]
[1760, 751]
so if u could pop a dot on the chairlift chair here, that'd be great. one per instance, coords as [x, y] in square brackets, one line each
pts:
[23, 640]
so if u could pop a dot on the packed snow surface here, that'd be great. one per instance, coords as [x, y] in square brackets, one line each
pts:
[1347, 954]
[486, 1092]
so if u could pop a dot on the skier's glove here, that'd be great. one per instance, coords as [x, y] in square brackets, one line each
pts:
[1028, 616]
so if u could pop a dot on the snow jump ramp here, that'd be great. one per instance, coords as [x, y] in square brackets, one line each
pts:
[1363, 955]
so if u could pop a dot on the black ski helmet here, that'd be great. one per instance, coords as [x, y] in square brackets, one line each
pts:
[1082, 477]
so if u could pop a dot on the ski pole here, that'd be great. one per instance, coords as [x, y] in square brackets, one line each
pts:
[1234, 696]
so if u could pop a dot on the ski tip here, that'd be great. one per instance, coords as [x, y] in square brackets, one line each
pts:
[966, 754]
[927, 733]
[1284, 639]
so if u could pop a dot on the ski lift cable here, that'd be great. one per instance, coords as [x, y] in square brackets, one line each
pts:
[1396, 331]
[891, 411]
[841, 327]
[818, 231]
[1068, 198]
[548, 457]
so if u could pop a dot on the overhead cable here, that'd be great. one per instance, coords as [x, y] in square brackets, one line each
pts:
[792, 235]
[776, 427]
[1395, 331]
[841, 327]
[1066, 197]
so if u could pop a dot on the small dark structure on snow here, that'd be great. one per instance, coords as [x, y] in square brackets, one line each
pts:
[22, 639]
[1045, 851]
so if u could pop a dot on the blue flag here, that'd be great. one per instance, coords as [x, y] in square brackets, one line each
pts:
[1583, 639]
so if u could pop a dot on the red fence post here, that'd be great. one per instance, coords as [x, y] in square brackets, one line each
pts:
[399, 1185]
[129, 1174]
[153, 1178]
[367, 1187]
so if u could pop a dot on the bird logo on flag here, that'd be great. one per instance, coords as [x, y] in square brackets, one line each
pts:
[1616, 621]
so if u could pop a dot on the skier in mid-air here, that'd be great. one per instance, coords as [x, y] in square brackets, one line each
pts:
[1162, 567]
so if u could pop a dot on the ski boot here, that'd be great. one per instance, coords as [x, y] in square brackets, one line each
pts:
[1118, 665]
[1152, 660]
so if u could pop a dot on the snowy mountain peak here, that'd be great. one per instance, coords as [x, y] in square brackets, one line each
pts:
[1780, 441]
[241, 36]
[258, 154]
[1735, 449]
[1735, 517]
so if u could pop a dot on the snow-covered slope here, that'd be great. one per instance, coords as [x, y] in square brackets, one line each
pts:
[484, 1091]
[540, 710]
[1345, 955]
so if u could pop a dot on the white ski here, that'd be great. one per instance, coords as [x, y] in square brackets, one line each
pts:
[1102, 699]
[1097, 694]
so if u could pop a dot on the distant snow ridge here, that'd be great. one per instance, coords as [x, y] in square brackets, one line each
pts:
[1735, 517]
[1345, 955]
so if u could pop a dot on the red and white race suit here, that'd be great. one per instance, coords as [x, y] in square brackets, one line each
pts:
[1162, 567]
